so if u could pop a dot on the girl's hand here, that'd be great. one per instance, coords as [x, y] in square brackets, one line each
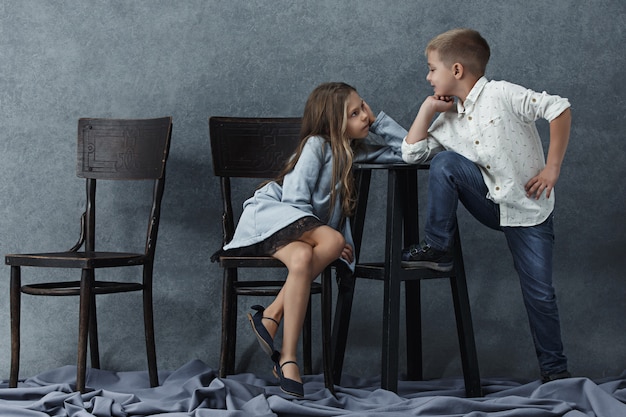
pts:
[347, 254]
[370, 114]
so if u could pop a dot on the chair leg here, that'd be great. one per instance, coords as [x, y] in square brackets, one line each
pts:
[148, 317]
[306, 342]
[229, 324]
[16, 293]
[326, 329]
[94, 350]
[86, 287]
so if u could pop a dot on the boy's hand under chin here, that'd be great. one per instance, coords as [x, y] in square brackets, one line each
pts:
[440, 104]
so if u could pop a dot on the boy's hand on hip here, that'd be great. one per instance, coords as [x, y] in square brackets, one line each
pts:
[544, 181]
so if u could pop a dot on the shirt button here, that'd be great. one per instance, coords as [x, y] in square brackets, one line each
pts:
[488, 167]
[497, 188]
[469, 117]
[534, 100]
[477, 142]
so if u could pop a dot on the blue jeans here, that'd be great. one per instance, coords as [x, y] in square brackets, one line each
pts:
[454, 178]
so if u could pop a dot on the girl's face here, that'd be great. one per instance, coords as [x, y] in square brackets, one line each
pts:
[440, 77]
[357, 124]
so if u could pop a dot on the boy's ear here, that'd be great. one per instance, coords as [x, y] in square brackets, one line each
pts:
[457, 70]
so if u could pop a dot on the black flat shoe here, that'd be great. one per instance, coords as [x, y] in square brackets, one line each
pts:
[261, 333]
[289, 386]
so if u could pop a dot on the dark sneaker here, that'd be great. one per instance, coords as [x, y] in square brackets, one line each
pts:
[422, 255]
[553, 377]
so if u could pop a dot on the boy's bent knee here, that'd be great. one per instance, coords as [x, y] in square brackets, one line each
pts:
[446, 159]
[449, 164]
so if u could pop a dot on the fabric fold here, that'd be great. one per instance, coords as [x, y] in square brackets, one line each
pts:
[195, 390]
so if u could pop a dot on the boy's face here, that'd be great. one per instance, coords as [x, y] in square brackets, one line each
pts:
[357, 126]
[440, 76]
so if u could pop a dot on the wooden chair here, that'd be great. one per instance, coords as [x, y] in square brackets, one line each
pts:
[107, 150]
[258, 148]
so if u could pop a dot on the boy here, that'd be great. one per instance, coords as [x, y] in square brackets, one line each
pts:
[485, 151]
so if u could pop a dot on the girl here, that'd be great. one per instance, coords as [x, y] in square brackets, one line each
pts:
[298, 218]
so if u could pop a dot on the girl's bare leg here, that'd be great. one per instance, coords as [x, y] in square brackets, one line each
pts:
[305, 260]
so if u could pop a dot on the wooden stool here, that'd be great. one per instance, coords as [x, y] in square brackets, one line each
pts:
[402, 230]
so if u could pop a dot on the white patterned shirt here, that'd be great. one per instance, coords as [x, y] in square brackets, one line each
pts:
[495, 129]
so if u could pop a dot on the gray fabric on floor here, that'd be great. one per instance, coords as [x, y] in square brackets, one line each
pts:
[195, 390]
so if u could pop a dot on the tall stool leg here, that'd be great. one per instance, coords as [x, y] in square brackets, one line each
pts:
[392, 283]
[413, 325]
[346, 282]
[412, 302]
[465, 329]
[341, 324]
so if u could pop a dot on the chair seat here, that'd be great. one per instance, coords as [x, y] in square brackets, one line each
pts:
[73, 288]
[83, 260]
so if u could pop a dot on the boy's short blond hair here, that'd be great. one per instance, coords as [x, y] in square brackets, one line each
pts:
[465, 46]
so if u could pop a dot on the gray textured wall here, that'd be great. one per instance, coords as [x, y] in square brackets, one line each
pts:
[65, 59]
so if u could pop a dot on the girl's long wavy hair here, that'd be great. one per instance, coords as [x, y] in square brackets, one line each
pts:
[325, 115]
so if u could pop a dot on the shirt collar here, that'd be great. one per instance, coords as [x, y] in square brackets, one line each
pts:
[471, 98]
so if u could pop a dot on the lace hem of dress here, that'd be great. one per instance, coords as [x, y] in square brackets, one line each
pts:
[276, 241]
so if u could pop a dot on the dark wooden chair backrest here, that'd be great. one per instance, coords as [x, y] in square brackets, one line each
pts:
[122, 149]
[249, 148]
